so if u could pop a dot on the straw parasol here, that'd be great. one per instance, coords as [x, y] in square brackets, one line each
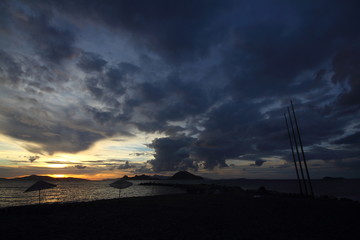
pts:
[38, 186]
[120, 184]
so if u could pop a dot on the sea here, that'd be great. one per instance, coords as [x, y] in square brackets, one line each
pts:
[12, 191]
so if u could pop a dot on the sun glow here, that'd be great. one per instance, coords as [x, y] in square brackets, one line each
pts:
[58, 175]
[55, 165]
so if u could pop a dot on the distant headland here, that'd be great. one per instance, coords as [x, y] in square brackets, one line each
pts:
[182, 175]
[44, 178]
[333, 178]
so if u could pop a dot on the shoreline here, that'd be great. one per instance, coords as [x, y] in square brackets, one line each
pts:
[185, 216]
[202, 188]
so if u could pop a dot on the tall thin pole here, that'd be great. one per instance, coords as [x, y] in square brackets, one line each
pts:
[302, 151]
[297, 152]
[293, 155]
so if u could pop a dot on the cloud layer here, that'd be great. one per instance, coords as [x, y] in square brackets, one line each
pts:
[214, 77]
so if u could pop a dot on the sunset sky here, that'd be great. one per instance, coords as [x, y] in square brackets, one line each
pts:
[98, 89]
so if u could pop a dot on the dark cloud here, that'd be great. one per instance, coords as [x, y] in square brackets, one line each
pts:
[118, 140]
[93, 87]
[151, 92]
[183, 99]
[350, 139]
[285, 165]
[125, 166]
[328, 154]
[172, 98]
[101, 116]
[173, 131]
[28, 76]
[51, 138]
[10, 70]
[94, 161]
[62, 162]
[317, 127]
[172, 154]
[177, 31]
[272, 51]
[90, 62]
[5, 16]
[213, 76]
[144, 169]
[258, 163]
[346, 66]
[79, 166]
[115, 77]
[140, 154]
[234, 129]
[110, 85]
[52, 43]
[33, 158]
[353, 164]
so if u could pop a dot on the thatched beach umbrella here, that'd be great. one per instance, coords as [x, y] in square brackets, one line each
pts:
[120, 184]
[38, 186]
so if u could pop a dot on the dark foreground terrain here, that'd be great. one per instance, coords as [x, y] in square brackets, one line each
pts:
[186, 216]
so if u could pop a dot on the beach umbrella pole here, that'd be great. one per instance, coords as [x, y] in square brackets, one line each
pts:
[120, 184]
[38, 186]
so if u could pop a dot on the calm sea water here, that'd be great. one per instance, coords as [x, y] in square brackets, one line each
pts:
[345, 188]
[12, 192]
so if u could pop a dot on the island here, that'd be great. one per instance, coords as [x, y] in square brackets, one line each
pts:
[181, 175]
[184, 175]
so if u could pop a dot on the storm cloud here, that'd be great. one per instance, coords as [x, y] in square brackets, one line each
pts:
[213, 78]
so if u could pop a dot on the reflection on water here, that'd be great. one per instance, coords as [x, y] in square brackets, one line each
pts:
[12, 192]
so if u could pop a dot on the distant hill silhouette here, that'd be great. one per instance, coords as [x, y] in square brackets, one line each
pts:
[47, 178]
[184, 175]
[141, 177]
[333, 178]
[161, 177]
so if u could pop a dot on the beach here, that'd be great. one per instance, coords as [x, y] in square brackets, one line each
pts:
[186, 216]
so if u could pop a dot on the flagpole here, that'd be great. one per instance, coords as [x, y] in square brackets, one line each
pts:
[293, 155]
[297, 152]
[302, 151]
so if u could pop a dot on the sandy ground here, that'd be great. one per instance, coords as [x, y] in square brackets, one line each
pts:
[186, 216]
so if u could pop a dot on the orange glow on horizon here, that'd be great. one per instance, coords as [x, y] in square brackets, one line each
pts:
[57, 165]
[93, 177]
[58, 175]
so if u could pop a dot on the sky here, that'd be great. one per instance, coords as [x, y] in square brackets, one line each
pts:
[101, 89]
